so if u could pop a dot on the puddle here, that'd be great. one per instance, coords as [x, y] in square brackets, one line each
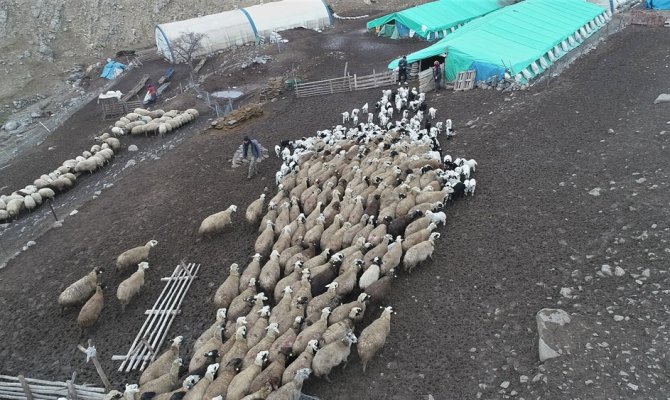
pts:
[227, 94]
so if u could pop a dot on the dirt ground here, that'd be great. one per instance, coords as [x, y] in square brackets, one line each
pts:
[465, 326]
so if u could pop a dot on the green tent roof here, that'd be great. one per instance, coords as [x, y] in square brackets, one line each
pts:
[511, 38]
[439, 16]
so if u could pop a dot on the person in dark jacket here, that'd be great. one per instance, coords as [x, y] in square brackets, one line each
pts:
[251, 150]
[402, 70]
[437, 75]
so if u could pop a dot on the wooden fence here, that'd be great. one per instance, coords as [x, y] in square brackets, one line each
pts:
[149, 340]
[345, 84]
[20, 388]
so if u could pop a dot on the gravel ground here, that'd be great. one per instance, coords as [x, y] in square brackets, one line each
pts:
[465, 326]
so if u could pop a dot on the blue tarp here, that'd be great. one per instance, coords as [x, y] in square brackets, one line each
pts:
[658, 4]
[112, 69]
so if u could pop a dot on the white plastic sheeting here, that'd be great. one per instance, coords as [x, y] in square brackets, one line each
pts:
[606, 3]
[238, 27]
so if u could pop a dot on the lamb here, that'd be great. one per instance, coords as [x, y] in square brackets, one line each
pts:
[131, 286]
[239, 386]
[365, 108]
[90, 312]
[134, 256]
[161, 365]
[345, 117]
[81, 290]
[217, 223]
[374, 336]
[229, 289]
[255, 210]
[420, 252]
[432, 112]
[332, 355]
[437, 217]
[470, 186]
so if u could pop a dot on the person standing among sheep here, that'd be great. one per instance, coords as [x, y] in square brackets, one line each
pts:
[251, 151]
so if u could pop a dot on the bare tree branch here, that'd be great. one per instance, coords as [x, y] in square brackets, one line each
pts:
[187, 46]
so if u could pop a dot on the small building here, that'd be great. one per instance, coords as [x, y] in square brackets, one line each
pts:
[431, 21]
[242, 26]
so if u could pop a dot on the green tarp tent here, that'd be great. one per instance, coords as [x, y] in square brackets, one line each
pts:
[523, 39]
[432, 20]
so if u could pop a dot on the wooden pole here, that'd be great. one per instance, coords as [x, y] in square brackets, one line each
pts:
[91, 354]
[346, 65]
[72, 391]
[26, 388]
[52, 210]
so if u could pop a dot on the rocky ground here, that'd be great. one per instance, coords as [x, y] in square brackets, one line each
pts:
[570, 212]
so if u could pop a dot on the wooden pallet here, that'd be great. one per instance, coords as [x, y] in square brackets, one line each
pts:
[113, 107]
[149, 340]
[20, 388]
[465, 80]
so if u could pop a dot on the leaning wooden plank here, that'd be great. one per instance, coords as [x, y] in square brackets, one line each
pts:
[192, 271]
[139, 335]
[136, 89]
[155, 321]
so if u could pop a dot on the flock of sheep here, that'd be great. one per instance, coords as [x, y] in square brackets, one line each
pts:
[64, 177]
[354, 205]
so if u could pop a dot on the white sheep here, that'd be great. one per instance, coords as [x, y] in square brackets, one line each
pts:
[419, 252]
[432, 111]
[371, 118]
[131, 286]
[345, 117]
[88, 165]
[437, 217]
[216, 223]
[470, 186]
[365, 108]
[134, 256]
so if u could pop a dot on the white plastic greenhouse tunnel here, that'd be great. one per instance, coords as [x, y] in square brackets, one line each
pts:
[242, 26]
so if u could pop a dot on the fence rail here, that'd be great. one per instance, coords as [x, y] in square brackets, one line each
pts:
[20, 388]
[149, 340]
[345, 84]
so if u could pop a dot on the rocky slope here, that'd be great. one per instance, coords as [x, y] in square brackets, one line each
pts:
[41, 40]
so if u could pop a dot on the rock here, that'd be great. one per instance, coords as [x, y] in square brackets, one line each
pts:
[618, 271]
[662, 98]
[74, 212]
[632, 386]
[610, 130]
[31, 243]
[646, 273]
[11, 125]
[554, 336]
[504, 385]
[130, 163]
[35, 114]
[606, 269]
[132, 147]
[618, 318]
[566, 292]
[595, 191]
[641, 180]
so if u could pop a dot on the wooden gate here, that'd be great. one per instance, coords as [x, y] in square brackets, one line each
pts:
[345, 84]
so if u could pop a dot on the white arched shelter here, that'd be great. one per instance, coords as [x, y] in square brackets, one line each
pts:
[237, 27]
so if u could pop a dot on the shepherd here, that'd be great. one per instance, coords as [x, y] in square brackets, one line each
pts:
[402, 71]
[437, 75]
[251, 151]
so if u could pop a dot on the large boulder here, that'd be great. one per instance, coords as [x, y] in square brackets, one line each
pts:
[555, 336]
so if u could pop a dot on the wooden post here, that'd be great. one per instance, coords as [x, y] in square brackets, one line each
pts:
[346, 65]
[91, 354]
[26, 388]
[355, 83]
[52, 210]
[72, 391]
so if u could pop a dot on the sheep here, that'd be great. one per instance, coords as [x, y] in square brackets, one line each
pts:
[131, 286]
[370, 276]
[332, 355]
[304, 360]
[229, 289]
[161, 365]
[312, 332]
[29, 203]
[380, 289]
[418, 236]
[88, 165]
[164, 383]
[198, 391]
[134, 256]
[268, 379]
[373, 337]
[265, 240]
[291, 390]
[221, 314]
[186, 385]
[89, 313]
[81, 290]
[345, 117]
[240, 305]
[270, 273]
[239, 386]
[253, 270]
[420, 252]
[432, 112]
[470, 186]
[222, 381]
[14, 207]
[344, 310]
[259, 327]
[217, 223]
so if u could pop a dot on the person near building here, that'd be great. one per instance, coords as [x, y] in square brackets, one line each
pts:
[402, 70]
[437, 75]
